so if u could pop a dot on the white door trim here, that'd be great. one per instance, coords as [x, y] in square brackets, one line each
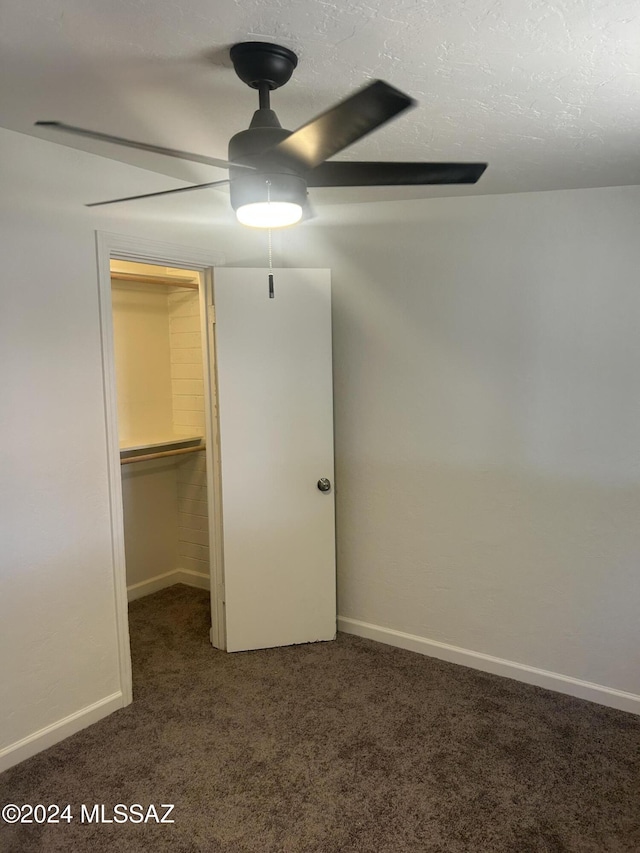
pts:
[214, 472]
[130, 248]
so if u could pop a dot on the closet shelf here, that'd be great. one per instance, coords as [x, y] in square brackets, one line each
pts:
[158, 450]
[174, 441]
[171, 280]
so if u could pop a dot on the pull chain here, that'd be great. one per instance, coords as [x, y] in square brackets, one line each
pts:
[271, 292]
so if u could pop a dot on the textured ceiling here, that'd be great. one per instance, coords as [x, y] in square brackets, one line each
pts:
[546, 91]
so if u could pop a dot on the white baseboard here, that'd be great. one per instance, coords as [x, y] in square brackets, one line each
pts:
[186, 576]
[191, 578]
[50, 735]
[498, 666]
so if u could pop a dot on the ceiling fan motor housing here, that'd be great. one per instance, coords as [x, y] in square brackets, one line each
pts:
[272, 181]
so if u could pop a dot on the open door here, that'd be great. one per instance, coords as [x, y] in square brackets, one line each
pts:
[273, 360]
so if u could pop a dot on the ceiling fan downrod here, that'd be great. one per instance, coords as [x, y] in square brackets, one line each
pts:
[264, 67]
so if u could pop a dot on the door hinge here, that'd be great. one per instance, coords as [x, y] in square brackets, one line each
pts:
[212, 313]
[221, 592]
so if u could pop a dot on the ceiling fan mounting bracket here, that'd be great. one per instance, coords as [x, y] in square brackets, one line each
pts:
[258, 63]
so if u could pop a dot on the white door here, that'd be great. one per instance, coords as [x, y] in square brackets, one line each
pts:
[273, 359]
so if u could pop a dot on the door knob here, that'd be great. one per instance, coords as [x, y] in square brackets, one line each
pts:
[324, 485]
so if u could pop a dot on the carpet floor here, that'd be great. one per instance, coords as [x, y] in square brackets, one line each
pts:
[343, 747]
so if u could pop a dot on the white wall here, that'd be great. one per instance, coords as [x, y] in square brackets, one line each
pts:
[150, 502]
[187, 385]
[487, 360]
[193, 517]
[143, 363]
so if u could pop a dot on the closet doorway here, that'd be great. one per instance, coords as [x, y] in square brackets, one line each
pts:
[161, 425]
[164, 415]
[162, 431]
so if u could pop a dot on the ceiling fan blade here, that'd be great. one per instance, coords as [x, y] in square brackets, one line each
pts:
[393, 174]
[341, 125]
[143, 146]
[162, 192]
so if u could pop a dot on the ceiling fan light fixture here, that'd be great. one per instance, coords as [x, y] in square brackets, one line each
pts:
[269, 214]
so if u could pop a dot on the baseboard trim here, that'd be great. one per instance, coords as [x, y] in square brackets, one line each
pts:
[191, 578]
[497, 666]
[50, 735]
[155, 584]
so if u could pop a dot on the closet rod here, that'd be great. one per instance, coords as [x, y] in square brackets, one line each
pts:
[147, 456]
[169, 280]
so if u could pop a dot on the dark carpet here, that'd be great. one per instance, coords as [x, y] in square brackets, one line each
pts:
[332, 748]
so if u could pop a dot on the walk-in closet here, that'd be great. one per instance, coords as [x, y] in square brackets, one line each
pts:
[157, 336]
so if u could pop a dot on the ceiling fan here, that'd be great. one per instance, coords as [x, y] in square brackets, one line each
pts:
[270, 168]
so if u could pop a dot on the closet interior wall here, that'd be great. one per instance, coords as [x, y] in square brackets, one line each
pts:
[160, 384]
[187, 390]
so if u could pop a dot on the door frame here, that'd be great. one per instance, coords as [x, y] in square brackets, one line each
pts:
[129, 248]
